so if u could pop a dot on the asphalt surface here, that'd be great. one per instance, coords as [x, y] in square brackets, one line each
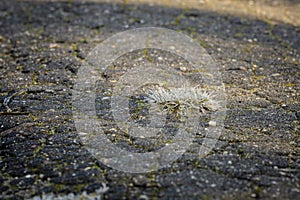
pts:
[43, 44]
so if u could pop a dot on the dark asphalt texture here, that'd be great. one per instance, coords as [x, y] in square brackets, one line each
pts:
[42, 47]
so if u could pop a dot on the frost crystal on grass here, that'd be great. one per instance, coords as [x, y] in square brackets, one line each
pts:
[181, 99]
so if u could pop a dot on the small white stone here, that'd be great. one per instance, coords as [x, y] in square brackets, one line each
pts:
[183, 69]
[82, 133]
[212, 123]
[28, 176]
[143, 197]
[53, 45]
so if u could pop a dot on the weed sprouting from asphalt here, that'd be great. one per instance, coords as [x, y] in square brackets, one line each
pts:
[180, 100]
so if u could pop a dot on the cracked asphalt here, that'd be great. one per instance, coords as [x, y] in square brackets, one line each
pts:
[44, 43]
